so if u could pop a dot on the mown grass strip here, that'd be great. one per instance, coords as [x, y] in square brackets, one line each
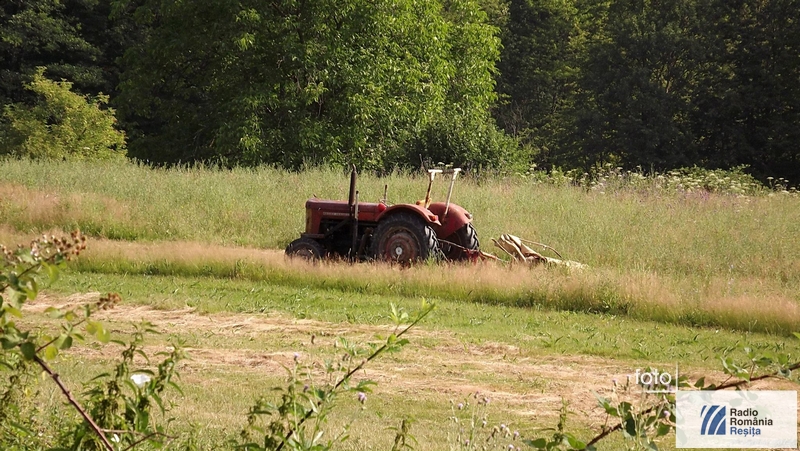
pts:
[639, 295]
[534, 331]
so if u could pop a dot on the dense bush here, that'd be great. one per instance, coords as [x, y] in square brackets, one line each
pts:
[63, 125]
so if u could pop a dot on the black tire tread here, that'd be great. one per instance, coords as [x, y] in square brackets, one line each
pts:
[429, 244]
[465, 237]
[299, 244]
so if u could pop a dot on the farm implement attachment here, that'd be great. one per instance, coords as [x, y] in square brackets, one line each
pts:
[518, 250]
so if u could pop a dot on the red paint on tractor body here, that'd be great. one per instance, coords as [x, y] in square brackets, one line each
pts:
[456, 218]
[317, 210]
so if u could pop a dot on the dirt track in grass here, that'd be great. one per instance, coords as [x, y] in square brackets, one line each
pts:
[437, 363]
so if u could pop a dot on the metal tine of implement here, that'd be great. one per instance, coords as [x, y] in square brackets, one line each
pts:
[543, 245]
[501, 248]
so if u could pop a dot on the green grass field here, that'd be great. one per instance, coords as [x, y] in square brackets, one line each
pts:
[676, 276]
[689, 257]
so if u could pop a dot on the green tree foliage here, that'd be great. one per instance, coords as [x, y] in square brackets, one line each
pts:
[634, 95]
[656, 84]
[386, 83]
[541, 44]
[295, 82]
[73, 39]
[464, 133]
[63, 124]
[747, 107]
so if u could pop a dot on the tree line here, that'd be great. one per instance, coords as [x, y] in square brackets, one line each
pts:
[654, 84]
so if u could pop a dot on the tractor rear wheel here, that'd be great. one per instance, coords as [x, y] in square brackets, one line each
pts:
[305, 248]
[404, 238]
[465, 238]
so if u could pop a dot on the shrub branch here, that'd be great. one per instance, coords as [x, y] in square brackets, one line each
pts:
[53, 375]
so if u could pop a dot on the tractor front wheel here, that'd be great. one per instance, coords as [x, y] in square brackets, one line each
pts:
[404, 238]
[305, 248]
[466, 239]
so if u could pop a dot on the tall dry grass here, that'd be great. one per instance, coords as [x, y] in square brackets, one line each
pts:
[751, 305]
[682, 256]
[641, 295]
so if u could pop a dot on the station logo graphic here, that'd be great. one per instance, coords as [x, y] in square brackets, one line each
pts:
[736, 419]
[713, 420]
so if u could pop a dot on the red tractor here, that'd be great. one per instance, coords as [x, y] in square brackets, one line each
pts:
[397, 233]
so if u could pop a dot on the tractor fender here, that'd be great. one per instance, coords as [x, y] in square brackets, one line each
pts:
[457, 217]
[426, 215]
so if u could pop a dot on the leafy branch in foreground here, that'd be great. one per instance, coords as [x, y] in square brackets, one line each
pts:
[296, 420]
[19, 282]
[127, 413]
[110, 408]
[115, 409]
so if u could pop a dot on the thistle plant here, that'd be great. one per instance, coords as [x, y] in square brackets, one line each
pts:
[473, 430]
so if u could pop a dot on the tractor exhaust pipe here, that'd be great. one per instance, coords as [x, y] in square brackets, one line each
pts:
[351, 199]
[353, 248]
[352, 203]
